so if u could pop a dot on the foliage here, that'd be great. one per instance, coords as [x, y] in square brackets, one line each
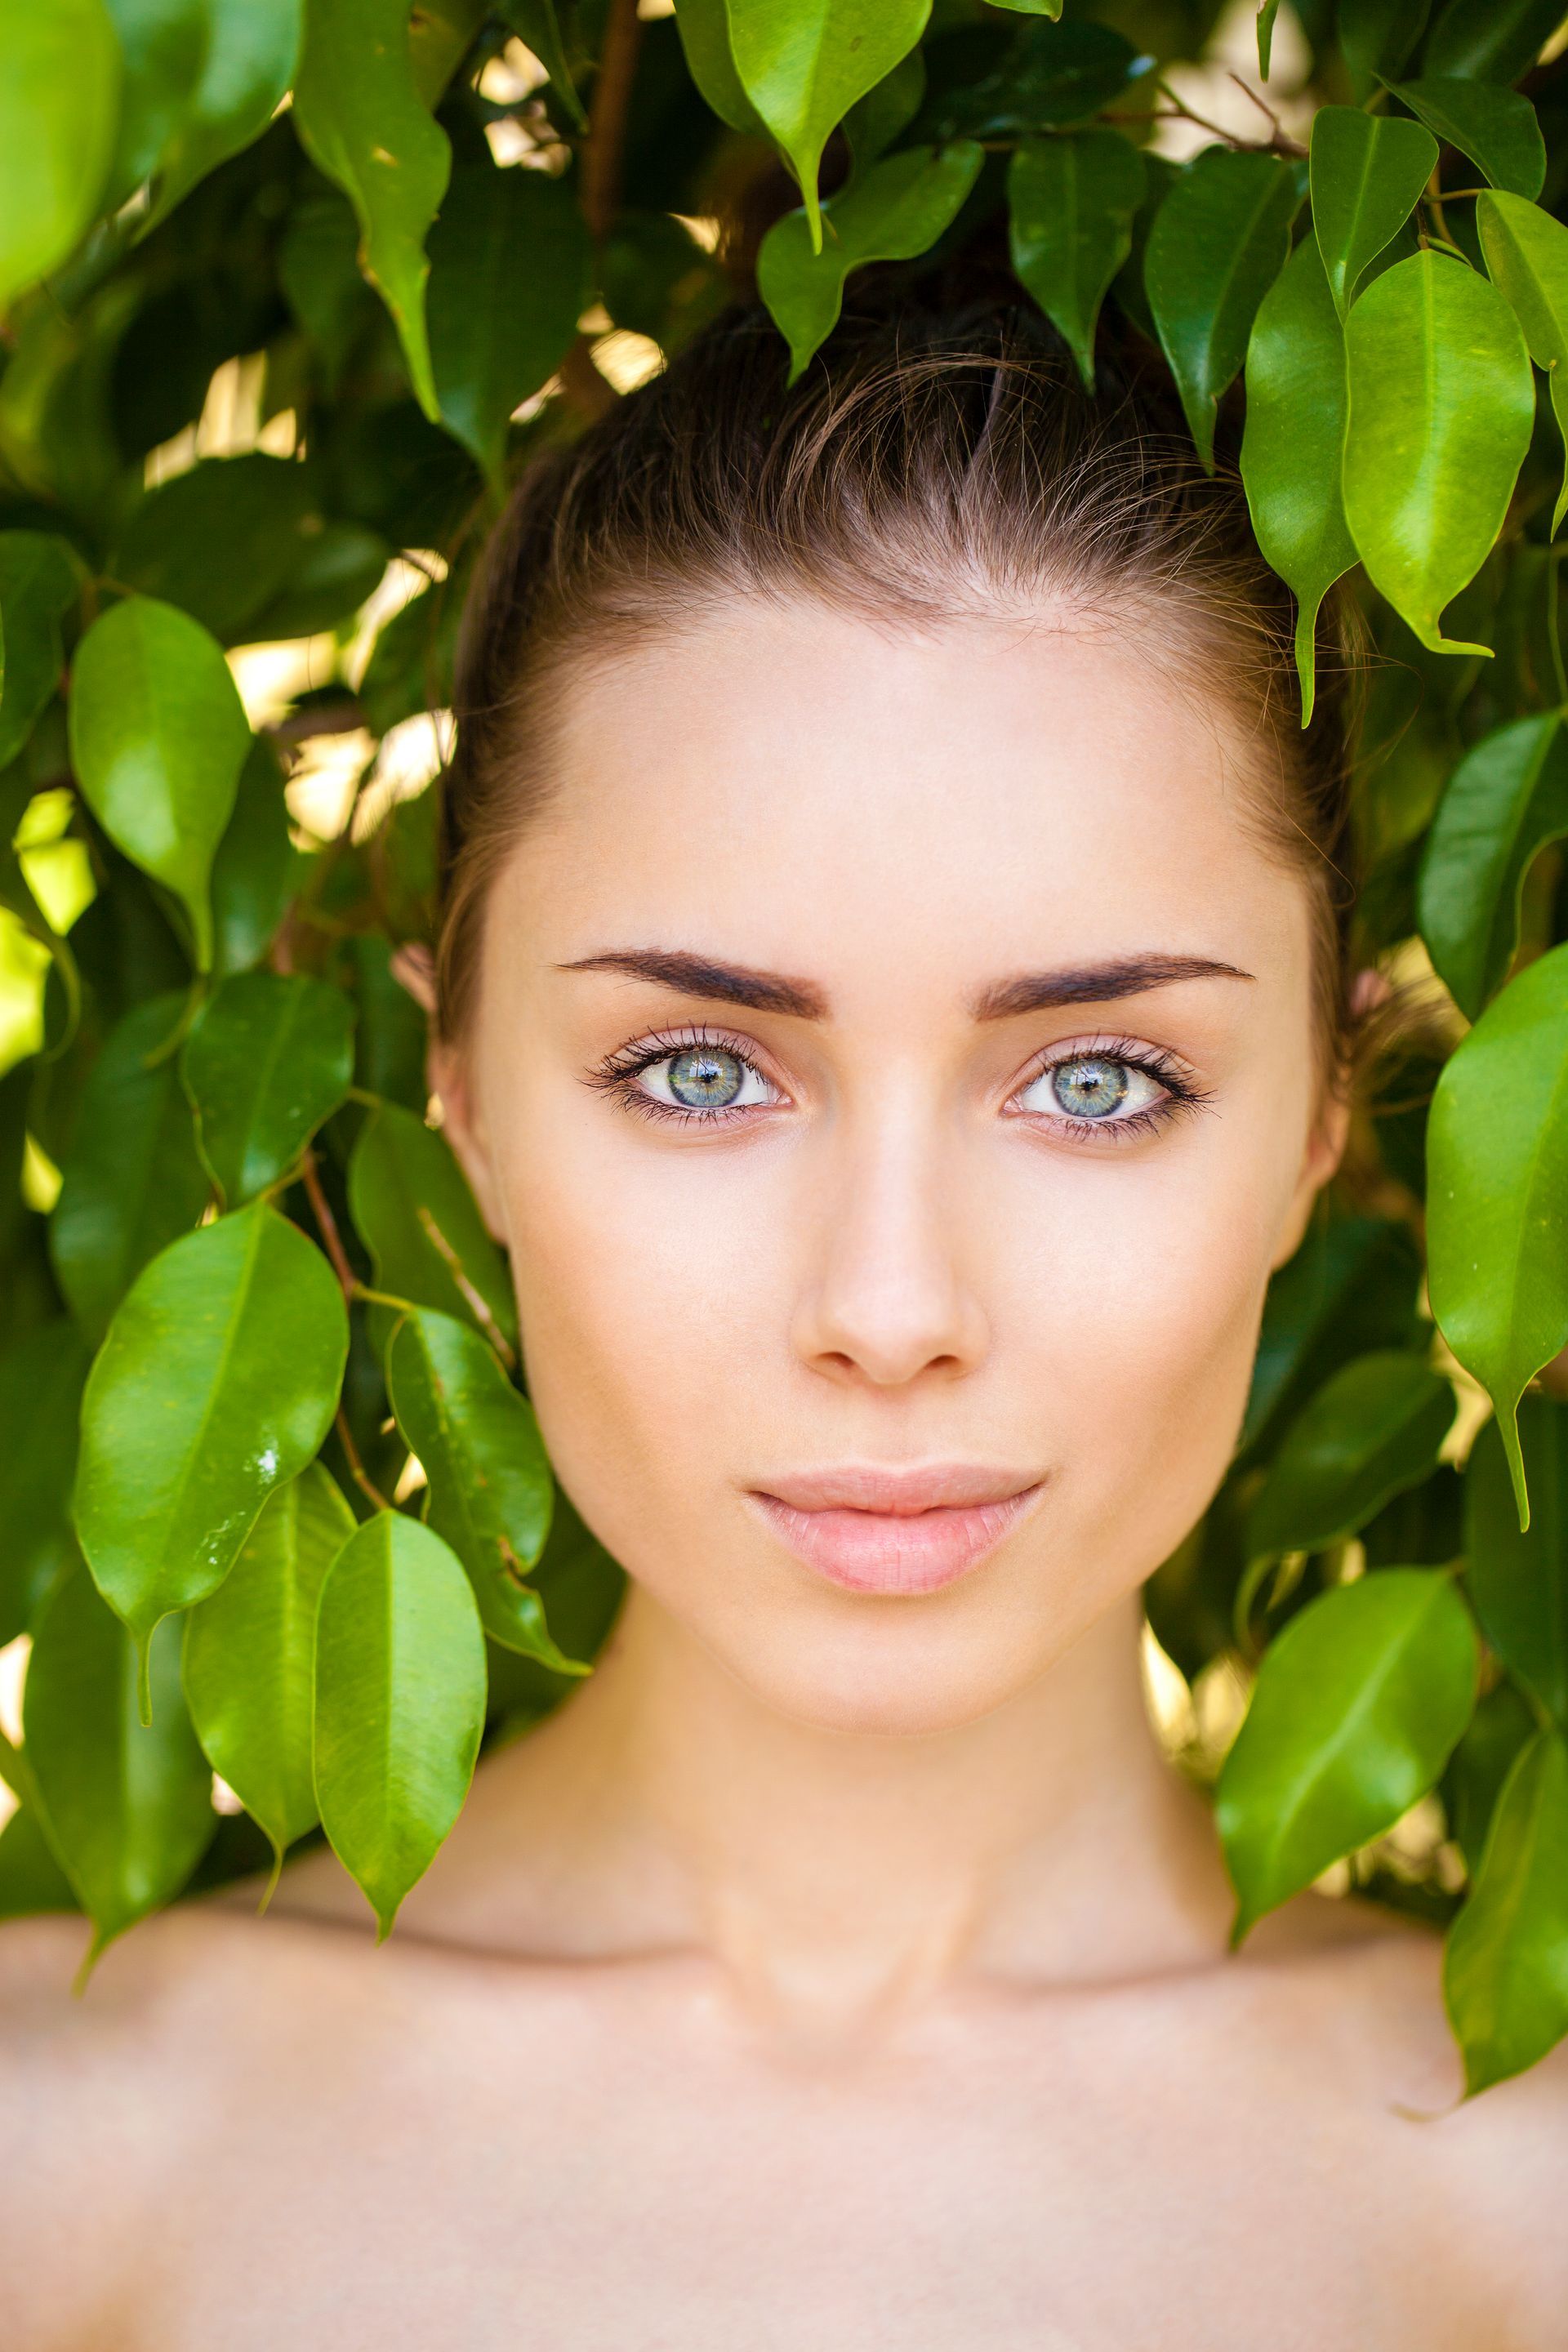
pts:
[274, 1504]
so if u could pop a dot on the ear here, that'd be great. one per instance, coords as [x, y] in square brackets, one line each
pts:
[1325, 1149]
[446, 1074]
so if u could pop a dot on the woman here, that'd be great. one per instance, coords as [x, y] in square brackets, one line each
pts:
[892, 1006]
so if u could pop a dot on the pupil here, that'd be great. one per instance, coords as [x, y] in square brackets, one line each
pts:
[1089, 1089]
[705, 1078]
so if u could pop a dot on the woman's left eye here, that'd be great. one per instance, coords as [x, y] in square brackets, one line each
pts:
[705, 1078]
[1101, 1088]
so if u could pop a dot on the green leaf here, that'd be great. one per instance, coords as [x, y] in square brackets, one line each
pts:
[1504, 802]
[509, 271]
[1351, 1288]
[217, 1383]
[1048, 78]
[418, 1219]
[1519, 1582]
[249, 64]
[1496, 128]
[1219, 241]
[1442, 402]
[490, 1490]
[1051, 9]
[255, 867]
[359, 121]
[1494, 43]
[340, 566]
[874, 121]
[1505, 1970]
[1267, 13]
[1358, 1705]
[41, 1376]
[1071, 202]
[59, 101]
[1527, 253]
[890, 213]
[538, 25]
[158, 738]
[31, 1880]
[1504, 1722]
[1497, 1198]
[269, 1059]
[1290, 445]
[132, 1180]
[400, 1705]
[704, 29]
[804, 63]
[221, 540]
[251, 1656]
[1371, 1431]
[162, 47]
[40, 580]
[1378, 38]
[127, 1806]
[1367, 171]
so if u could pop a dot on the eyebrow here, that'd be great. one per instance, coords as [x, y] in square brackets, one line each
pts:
[695, 975]
[1098, 983]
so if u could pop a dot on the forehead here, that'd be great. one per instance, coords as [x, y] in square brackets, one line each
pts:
[798, 788]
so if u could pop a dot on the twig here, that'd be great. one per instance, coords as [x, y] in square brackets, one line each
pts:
[357, 1470]
[607, 113]
[584, 387]
[454, 1265]
[327, 1225]
[1281, 137]
[319, 718]
[1434, 198]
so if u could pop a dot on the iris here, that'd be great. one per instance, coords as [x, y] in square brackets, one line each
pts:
[1090, 1088]
[705, 1077]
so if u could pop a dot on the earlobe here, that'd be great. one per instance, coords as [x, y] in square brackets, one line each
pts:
[1325, 1149]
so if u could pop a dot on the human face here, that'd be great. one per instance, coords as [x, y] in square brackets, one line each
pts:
[999, 1102]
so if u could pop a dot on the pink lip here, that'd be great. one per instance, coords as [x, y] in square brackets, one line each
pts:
[895, 1530]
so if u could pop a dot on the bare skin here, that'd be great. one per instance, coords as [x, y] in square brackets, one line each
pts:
[842, 1968]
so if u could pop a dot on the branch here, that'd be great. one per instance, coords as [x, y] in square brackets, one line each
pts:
[327, 1225]
[607, 113]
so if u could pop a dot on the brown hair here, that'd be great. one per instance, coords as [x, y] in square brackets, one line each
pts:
[931, 462]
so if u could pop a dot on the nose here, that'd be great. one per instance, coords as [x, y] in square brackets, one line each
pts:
[888, 1300]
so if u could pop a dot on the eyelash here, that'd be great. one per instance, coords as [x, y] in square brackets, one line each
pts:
[618, 1074]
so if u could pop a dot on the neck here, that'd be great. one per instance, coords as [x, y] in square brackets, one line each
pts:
[834, 1875]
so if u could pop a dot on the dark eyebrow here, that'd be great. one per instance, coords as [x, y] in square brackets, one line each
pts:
[1097, 983]
[695, 975]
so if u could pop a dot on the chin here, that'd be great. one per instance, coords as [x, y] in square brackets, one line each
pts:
[908, 1669]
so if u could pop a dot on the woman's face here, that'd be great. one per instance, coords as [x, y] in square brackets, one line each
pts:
[893, 1077]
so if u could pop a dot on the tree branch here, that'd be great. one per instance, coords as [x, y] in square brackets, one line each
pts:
[607, 113]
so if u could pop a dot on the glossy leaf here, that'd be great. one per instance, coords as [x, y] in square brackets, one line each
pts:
[1504, 802]
[1493, 43]
[539, 26]
[704, 29]
[40, 580]
[133, 1180]
[1048, 79]
[249, 63]
[1378, 37]
[31, 1880]
[422, 1226]
[1219, 241]
[251, 1656]
[1071, 202]
[1367, 173]
[1496, 128]
[804, 63]
[1527, 253]
[269, 1059]
[1505, 1969]
[1442, 402]
[361, 122]
[41, 1376]
[1359, 1703]
[1497, 1194]
[217, 1383]
[127, 1806]
[1371, 1431]
[255, 866]
[1504, 1722]
[400, 1705]
[60, 104]
[158, 738]
[221, 540]
[1351, 1289]
[1519, 1582]
[509, 265]
[874, 121]
[892, 211]
[491, 1489]
[1290, 447]
[163, 46]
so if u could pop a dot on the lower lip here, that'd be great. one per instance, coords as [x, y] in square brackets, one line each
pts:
[886, 1551]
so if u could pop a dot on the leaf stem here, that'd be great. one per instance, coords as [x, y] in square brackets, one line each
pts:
[453, 1264]
[607, 113]
[357, 1470]
[326, 1226]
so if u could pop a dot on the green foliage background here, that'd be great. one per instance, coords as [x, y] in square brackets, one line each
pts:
[291, 288]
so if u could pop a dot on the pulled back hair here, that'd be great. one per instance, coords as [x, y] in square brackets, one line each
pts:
[933, 464]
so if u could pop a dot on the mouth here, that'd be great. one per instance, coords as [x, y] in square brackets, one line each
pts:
[895, 1531]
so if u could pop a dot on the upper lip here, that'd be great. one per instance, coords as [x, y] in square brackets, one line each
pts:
[897, 1490]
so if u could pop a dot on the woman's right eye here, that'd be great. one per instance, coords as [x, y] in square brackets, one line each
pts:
[705, 1078]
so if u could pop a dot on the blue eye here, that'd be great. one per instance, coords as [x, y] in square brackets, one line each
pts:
[1103, 1087]
[702, 1078]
